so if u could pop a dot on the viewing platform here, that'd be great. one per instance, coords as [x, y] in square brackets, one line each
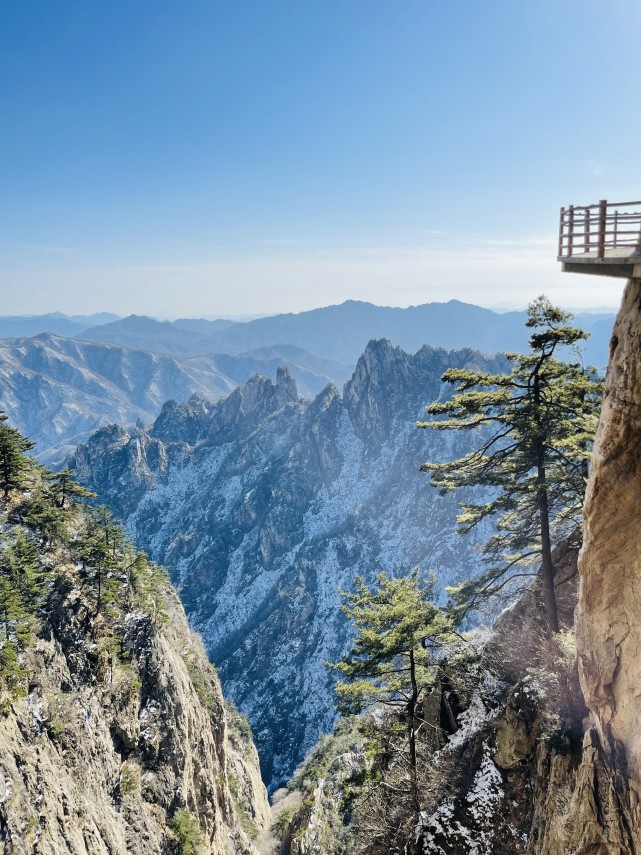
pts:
[604, 239]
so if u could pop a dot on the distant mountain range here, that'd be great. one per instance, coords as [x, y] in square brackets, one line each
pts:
[13, 326]
[336, 333]
[187, 337]
[58, 391]
[64, 376]
[342, 332]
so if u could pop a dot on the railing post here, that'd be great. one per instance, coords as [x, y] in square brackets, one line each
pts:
[616, 224]
[571, 230]
[561, 227]
[602, 214]
[586, 229]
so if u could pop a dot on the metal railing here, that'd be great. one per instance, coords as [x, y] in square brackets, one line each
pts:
[598, 228]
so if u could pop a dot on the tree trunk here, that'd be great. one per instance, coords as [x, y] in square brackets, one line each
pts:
[6, 475]
[411, 735]
[547, 567]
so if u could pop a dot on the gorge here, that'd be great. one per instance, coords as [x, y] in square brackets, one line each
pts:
[257, 475]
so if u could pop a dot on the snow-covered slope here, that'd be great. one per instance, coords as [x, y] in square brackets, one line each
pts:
[263, 505]
[58, 391]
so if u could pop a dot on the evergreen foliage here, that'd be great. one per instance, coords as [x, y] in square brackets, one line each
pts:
[129, 779]
[65, 490]
[101, 548]
[392, 661]
[147, 585]
[200, 680]
[42, 514]
[536, 426]
[14, 465]
[44, 521]
[188, 834]
[21, 586]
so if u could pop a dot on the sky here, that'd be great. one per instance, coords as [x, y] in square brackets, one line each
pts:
[218, 157]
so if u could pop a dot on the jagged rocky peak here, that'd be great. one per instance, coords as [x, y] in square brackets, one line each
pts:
[387, 377]
[286, 385]
[369, 394]
[609, 610]
[182, 422]
[111, 440]
[325, 398]
[249, 404]
[278, 504]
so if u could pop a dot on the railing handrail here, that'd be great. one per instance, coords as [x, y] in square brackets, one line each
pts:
[607, 228]
[596, 205]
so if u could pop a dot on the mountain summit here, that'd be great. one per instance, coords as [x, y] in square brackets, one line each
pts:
[264, 505]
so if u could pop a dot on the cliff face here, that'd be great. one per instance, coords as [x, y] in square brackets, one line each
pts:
[583, 780]
[609, 611]
[512, 773]
[103, 751]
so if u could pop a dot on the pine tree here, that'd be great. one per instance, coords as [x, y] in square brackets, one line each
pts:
[51, 502]
[20, 595]
[147, 585]
[12, 674]
[42, 512]
[22, 563]
[14, 465]
[535, 428]
[391, 663]
[185, 826]
[65, 490]
[101, 548]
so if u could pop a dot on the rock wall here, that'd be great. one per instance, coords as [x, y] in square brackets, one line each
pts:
[608, 621]
[525, 772]
[98, 757]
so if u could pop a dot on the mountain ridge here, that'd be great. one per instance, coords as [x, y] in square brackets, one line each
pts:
[341, 332]
[263, 505]
[59, 390]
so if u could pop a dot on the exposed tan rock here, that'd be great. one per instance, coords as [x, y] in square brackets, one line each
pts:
[579, 803]
[95, 762]
[609, 611]
[516, 732]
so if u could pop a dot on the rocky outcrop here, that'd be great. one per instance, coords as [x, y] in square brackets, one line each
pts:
[101, 754]
[609, 610]
[264, 505]
[512, 769]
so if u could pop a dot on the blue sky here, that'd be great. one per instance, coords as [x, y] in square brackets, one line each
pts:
[244, 156]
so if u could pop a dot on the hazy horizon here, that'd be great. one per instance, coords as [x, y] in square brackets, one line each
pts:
[250, 317]
[218, 159]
